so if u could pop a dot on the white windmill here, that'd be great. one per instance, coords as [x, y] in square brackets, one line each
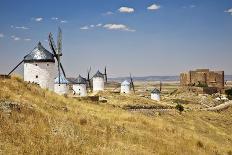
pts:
[80, 86]
[98, 81]
[155, 95]
[126, 86]
[39, 67]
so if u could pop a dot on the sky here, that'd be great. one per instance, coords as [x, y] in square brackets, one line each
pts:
[142, 37]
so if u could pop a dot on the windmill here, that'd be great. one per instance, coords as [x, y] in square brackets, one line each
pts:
[57, 52]
[132, 83]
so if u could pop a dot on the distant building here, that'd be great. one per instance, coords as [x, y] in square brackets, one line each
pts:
[201, 77]
[39, 67]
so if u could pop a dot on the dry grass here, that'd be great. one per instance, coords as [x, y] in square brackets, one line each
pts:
[45, 123]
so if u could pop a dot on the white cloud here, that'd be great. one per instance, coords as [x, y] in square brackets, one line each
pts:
[1, 35]
[92, 26]
[21, 27]
[192, 6]
[27, 39]
[39, 19]
[118, 27]
[126, 10]
[84, 28]
[63, 21]
[54, 18]
[108, 13]
[153, 7]
[15, 38]
[99, 25]
[229, 11]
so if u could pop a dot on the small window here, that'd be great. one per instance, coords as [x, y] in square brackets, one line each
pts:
[79, 89]
[36, 76]
[47, 64]
[36, 64]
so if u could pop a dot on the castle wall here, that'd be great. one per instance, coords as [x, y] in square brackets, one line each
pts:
[203, 76]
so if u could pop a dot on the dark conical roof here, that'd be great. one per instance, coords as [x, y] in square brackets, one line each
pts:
[99, 74]
[39, 54]
[80, 80]
[155, 91]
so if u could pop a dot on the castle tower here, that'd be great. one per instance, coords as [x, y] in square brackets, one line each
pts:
[39, 67]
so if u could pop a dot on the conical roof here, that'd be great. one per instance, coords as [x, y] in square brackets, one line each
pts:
[155, 91]
[125, 83]
[80, 80]
[39, 54]
[99, 74]
[63, 80]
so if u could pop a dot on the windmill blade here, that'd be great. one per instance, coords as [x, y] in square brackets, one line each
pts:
[105, 75]
[52, 44]
[88, 79]
[59, 42]
[132, 84]
[62, 68]
[160, 86]
[15, 67]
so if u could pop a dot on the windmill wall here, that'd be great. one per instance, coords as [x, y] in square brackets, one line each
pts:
[61, 89]
[125, 89]
[42, 73]
[80, 90]
[98, 84]
[155, 96]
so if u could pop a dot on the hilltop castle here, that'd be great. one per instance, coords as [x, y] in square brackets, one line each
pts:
[203, 77]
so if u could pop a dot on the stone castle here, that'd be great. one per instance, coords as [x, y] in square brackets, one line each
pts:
[203, 77]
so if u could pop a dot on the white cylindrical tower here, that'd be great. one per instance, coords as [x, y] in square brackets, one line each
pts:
[39, 67]
[98, 82]
[155, 95]
[61, 86]
[125, 87]
[79, 87]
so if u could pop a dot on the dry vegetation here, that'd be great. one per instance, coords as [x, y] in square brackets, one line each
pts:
[36, 121]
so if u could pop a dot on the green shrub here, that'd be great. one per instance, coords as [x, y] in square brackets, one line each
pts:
[202, 84]
[179, 107]
[229, 93]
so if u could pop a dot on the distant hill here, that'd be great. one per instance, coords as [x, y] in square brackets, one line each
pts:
[158, 78]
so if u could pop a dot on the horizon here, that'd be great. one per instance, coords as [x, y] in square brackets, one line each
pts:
[145, 38]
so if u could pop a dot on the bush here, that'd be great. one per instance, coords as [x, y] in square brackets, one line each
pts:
[179, 107]
[200, 144]
[202, 85]
[229, 93]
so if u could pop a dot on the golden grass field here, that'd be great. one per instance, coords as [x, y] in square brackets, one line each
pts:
[36, 121]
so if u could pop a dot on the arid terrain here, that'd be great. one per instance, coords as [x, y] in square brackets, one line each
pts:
[37, 121]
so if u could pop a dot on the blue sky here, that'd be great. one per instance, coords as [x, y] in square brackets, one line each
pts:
[144, 37]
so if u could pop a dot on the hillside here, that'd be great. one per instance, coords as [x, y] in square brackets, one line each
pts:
[36, 121]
